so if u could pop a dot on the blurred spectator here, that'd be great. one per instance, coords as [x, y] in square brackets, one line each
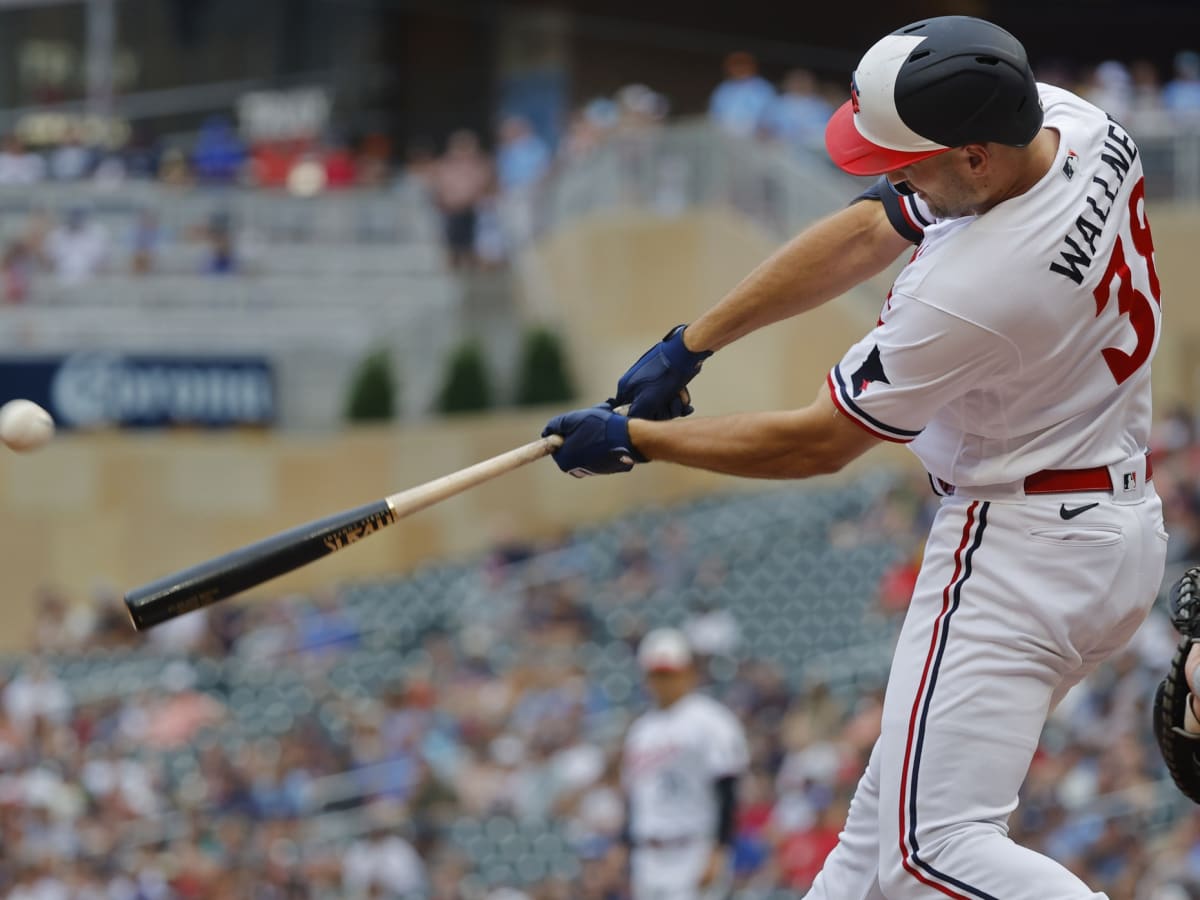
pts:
[341, 170]
[77, 249]
[460, 179]
[139, 155]
[802, 852]
[110, 171]
[381, 863]
[638, 106]
[183, 634]
[740, 103]
[1182, 93]
[33, 697]
[898, 583]
[217, 235]
[219, 155]
[145, 242]
[173, 168]
[588, 128]
[522, 158]
[71, 160]
[1147, 90]
[16, 270]
[1111, 88]
[18, 165]
[797, 117]
[271, 162]
[712, 629]
[1175, 432]
[325, 628]
[421, 161]
[374, 160]
[491, 246]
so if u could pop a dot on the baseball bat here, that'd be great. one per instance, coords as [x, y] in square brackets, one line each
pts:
[223, 576]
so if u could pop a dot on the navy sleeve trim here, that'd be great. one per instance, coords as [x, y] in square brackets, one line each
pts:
[843, 400]
[901, 211]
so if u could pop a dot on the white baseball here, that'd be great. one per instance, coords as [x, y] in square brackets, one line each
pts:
[25, 426]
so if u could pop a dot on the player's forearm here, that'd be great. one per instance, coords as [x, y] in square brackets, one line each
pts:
[822, 262]
[791, 444]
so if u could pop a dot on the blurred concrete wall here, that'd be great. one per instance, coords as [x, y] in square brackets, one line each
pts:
[615, 283]
[118, 510]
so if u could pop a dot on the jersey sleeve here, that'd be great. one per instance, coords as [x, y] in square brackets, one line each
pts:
[918, 359]
[725, 749]
[905, 210]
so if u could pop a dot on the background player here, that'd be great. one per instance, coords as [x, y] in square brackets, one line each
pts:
[1012, 355]
[680, 769]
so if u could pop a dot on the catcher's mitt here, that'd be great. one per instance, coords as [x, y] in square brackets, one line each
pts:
[1180, 748]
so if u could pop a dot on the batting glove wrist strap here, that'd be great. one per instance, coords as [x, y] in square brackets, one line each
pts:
[595, 442]
[654, 386]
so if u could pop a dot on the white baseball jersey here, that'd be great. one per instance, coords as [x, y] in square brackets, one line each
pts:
[1013, 342]
[985, 378]
[672, 757]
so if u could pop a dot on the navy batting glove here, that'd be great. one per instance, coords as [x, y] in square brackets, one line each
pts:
[595, 442]
[655, 385]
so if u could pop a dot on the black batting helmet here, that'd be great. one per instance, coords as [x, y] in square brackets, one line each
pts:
[932, 85]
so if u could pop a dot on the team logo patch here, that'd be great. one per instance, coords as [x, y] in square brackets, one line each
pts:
[870, 371]
[1070, 163]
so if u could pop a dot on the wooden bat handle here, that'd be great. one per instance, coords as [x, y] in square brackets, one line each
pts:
[439, 489]
[421, 496]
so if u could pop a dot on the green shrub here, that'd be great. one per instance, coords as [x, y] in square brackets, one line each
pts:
[372, 396]
[467, 387]
[543, 377]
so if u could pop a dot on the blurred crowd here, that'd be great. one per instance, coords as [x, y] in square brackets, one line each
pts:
[72, 248]
[484, 184]
[491, 727]
[215, 156]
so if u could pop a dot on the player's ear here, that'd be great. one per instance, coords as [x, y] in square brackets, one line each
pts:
[978, 156]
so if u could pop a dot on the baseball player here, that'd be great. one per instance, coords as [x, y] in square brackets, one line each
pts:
[1012, 356]
[679, 769]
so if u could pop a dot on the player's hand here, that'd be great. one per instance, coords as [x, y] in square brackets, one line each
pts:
[714, 869]
[655, 387]
[595, 442]
[1191, 669]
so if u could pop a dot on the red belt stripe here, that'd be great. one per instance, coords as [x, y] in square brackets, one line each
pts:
[1064, 481]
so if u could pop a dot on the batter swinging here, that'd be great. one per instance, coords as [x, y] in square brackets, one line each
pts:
[1013, 357]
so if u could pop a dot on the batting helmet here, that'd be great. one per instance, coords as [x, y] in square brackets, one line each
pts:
[935, 84]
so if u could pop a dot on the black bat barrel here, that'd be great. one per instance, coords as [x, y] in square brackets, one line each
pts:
[244, 568]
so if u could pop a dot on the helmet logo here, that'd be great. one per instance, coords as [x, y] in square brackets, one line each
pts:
[854, 94]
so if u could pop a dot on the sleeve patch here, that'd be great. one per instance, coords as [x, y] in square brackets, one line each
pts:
[844, 401]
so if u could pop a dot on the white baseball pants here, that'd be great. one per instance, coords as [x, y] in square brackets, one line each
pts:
[673, 872]
[1018, 599]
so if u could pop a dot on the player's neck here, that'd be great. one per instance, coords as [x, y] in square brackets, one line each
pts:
[665, 703]
[1030, 165]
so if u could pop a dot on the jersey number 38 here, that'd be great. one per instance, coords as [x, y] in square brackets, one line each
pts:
[1130, 301]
